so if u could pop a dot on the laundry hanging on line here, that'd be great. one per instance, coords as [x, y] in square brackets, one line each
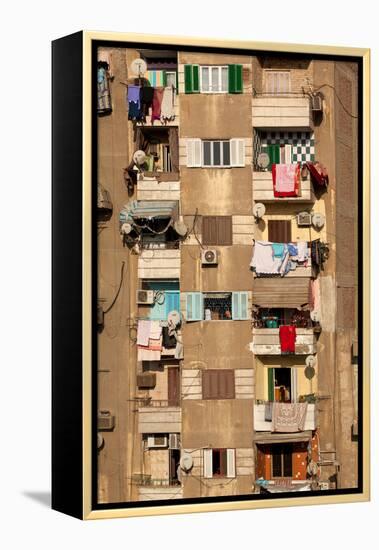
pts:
[286, 179]
[278, 258]
[287, 338]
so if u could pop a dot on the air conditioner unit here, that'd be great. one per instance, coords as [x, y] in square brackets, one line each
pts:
[157, 441]
[304, 219]
[105, 421]
[147, 380]
[145, 297]
[209, 257]
[174, 441]
[317, 103]
[324, 485]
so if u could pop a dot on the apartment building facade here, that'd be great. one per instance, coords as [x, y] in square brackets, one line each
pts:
[205, 349]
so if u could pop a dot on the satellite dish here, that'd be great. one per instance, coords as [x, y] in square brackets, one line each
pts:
[263, 160]
[100, 441]
[173, 317]
[310, 361]
[318, 220]
[186, 462]
[259, 210]
[139, 157]
[315, 316]
[138, 67]
[309, 372]
[181, 228]
[126, 228]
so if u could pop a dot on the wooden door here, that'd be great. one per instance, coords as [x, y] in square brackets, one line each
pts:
[173, 387]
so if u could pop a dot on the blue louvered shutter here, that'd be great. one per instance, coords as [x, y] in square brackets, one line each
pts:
[172, 301]
[194, 307]
[240, 306]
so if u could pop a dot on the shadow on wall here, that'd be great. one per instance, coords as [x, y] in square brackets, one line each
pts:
[41, 497]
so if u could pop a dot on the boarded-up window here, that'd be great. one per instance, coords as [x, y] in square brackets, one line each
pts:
[173, 386]
[218, 384]
[279, 231]
[217, 230]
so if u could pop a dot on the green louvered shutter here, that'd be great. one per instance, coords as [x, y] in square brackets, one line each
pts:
[235, 84]
[270, 373]
[273, 152]
[191, 79]
[194, 307]
[164, 78]
[195, 79]
[188, 79]
[240, 306]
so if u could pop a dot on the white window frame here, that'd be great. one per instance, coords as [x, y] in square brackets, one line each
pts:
[212, 141]
[209, 68]
[272, 72]
[230, 464]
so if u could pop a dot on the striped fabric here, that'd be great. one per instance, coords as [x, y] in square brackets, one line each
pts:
[156, 78]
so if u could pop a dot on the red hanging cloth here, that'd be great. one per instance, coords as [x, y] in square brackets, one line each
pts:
[287, 337]
[286, 179]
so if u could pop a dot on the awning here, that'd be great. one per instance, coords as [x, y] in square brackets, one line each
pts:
[268, 438]
[283, 292]
[150, 210]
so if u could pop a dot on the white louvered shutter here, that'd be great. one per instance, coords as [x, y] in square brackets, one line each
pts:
[230, 463]
[207, 458]
[194, 153]
[237, 152]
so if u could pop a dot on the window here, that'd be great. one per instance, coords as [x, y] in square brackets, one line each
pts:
[217, 306]
[166, 296]
[281, 460]
[218, 384]
[161, 148]
[217, 230]
[279, 231]
[277, 82]
[214, 79]
[275, 317]
[219, 463]
[282, 385]
[216, 153]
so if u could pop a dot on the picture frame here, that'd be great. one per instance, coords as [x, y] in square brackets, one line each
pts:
[293, 100]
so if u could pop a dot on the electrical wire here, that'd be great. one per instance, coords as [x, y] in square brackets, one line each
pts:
[118, 291]
[337, 96]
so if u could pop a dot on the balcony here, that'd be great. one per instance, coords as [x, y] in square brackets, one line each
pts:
[266, 341]
[263, 190]
[282, 112]
[261, 425]
[154, 188]
[159, 419]
[160, 263]
[152, 492]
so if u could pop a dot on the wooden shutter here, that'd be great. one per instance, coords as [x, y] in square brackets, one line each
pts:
[207, 466]
[217, 230]
[188, 79]
[235, 84]
[283, 292]
[194, 306]
[237, 152]
[218, 384]
[230, 463]
[191, 79]
[172, 301]
[279, 231]
[194, 153]
[173, 383]
[270, 374]
[240, 306]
